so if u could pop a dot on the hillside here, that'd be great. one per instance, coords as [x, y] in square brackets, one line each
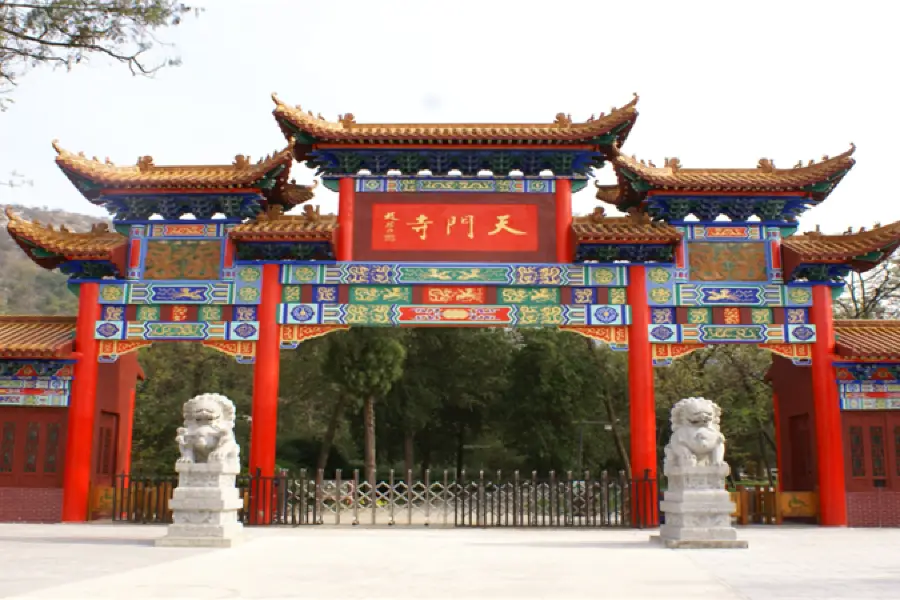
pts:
[26, 288]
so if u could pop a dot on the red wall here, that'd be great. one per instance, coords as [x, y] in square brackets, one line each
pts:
[115, 383]
[37, 497]
[796, 431]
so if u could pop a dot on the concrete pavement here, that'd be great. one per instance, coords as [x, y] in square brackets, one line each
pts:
[96, 562]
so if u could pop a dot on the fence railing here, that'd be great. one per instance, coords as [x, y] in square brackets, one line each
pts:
[479, 500]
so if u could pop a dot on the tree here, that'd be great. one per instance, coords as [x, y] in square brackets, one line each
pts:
[874, 294]
[69, 32]
[365, 363]
[554, 385]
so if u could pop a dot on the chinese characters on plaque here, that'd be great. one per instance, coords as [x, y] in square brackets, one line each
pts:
[466, 227]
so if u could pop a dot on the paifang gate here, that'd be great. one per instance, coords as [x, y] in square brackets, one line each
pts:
[456, 225]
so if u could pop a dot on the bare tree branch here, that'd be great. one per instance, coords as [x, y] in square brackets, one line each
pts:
[69, 32]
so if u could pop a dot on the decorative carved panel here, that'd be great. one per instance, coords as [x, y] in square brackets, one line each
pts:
[727, 261]
[183, 259]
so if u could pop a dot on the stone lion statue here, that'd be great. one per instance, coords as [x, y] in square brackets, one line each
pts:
[696, 439]
[208, 432]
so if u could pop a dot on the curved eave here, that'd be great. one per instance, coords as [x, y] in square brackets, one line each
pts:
[637, 179]
[860, 251]
[306, 130]
[29, 336]
[623, 230]
[49, 248]
[285, 230]
[94, 178]
[867, 339]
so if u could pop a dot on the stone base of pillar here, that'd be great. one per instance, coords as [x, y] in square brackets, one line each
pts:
[205, 507]
[698, 509]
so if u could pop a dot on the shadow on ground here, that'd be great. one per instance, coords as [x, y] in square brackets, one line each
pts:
[72, 540]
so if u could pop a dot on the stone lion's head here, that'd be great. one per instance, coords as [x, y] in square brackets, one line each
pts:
[696, 412]
[209, 409]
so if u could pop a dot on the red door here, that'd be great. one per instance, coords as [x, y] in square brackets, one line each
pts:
[105, 449]
[872, 467]
[801, 464]
[31, 446]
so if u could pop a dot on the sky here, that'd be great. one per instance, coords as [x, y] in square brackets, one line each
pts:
[721, 84]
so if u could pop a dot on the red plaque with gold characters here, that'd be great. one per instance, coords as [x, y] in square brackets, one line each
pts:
[447, 227]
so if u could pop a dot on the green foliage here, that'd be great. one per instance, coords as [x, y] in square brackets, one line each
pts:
[68, 32]
[174, 373]
[366, 362]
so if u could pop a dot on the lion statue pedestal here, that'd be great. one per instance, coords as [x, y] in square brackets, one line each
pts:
[696, 505]
[206, 502]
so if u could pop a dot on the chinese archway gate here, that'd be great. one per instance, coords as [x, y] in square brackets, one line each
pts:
[455, 225]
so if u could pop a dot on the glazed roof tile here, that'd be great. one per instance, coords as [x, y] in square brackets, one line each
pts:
[849, 248]
[671, 177]
[598, 228]
[36, 337]
[98, 244]
[242, 173]
[867, 339]
[561, 131]
[274, 226]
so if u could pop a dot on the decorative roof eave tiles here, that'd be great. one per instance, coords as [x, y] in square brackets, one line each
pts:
[562, 131]
[61, 245]
[861, 250]
[671, 177]
[105, 176]
[867, 339]
[277, 227]
[36, 337]
[636, 228]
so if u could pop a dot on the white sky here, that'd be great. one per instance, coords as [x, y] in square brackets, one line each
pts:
[722, 84]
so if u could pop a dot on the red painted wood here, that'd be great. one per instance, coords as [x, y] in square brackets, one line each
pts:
[642, 405]
[777, 418]
[124, 463]
[264, 412]
[346, 197]
[82, 409]
[564, 245]
[829, 449]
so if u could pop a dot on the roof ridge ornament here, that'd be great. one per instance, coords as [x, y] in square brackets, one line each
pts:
[766, 165]
[673, 163]
[145, 163]
[563, 120]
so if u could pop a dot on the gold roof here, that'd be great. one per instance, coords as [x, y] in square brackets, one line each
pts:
[867, 339]
[847, 248]
[98, 244]
[561, 131]
[764, 178]
[275, 226]
[634, 228]
[36, 337]
[145, 174]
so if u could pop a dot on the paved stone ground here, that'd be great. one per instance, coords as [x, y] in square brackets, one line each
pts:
[97, 562]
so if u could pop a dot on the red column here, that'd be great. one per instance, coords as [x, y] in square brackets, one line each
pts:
[264, 412]
[642, 403]
[127, 427]
[563, 221]
[82, 409]
[346, 193]
[777, 417]
[829, 443]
